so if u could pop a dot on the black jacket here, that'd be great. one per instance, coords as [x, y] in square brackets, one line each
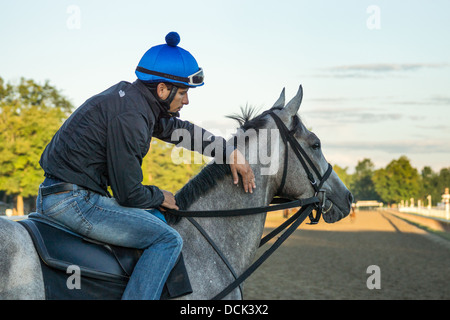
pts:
[104, 141]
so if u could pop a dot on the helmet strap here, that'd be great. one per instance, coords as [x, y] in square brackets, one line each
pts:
[164, 102]
[169, 100]
[171, 96]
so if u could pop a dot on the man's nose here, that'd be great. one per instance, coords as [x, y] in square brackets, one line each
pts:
[185, 99]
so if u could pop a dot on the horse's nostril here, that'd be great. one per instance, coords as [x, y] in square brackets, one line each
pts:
[350, 198]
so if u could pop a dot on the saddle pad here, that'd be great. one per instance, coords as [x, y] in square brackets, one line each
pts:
[105, 269]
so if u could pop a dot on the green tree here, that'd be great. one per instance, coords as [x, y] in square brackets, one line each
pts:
[398, 181]
[30, 114]
[429, 185]
[362, 185]
[443, 181]
[345, 177]
[166, 169]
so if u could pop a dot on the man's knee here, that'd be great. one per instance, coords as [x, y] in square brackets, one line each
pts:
[173, 237]
[178, 239]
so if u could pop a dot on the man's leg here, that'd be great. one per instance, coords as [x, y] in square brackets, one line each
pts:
[103, 219]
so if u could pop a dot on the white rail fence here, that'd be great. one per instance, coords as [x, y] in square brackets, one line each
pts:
[425, 211]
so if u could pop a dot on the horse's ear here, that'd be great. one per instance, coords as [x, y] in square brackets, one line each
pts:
[280, 102]
[293, 105]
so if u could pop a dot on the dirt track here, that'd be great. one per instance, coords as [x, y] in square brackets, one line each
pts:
[330, 261]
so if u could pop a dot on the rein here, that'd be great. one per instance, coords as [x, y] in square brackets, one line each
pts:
[307, 206]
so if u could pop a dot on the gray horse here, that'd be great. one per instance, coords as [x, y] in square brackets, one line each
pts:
[212, 189]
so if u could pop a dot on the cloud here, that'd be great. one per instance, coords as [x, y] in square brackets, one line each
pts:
[387, 67]
[432, 101]
[376, 70]
[434, 127]
[355, 115]
[394, 146]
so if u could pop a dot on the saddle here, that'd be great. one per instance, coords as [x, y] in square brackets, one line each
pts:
[103, 269]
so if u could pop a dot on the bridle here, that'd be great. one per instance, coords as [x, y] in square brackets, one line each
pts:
[306, 208]
[288, 138]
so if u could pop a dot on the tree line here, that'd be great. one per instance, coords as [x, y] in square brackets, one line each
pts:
[31, 113]
[398, 181]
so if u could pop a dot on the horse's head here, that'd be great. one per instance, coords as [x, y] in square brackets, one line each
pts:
[299, 181]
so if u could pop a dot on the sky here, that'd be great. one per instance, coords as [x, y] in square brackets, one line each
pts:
[375, 74]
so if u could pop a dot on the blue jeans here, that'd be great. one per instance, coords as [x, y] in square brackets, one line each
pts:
[103, 219]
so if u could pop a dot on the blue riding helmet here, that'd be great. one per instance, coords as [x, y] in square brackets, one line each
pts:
[170, 63]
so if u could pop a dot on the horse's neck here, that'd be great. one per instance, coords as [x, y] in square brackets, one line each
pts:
[226, 195]
[241, 234]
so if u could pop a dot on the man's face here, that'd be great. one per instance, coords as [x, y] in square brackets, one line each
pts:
[180, 99]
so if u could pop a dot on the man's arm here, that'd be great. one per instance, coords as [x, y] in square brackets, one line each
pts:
[192, 137]
[189, 136]
[126, 138]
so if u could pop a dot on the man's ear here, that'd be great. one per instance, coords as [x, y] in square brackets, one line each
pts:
[162, 91]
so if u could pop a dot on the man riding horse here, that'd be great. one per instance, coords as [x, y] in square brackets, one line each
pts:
[102, 145]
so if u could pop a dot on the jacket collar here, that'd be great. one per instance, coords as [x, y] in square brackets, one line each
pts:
[153, 104]
[157, 108]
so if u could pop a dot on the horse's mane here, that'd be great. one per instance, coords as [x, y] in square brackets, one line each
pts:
[205, 180]
[208, 177]
[247, 120]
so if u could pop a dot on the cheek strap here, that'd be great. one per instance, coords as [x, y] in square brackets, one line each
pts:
[171, 96]
[166, 103]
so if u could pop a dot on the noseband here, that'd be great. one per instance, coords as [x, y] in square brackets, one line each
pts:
[288, 138]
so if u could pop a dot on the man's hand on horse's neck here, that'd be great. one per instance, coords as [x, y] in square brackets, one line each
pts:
[239, 165]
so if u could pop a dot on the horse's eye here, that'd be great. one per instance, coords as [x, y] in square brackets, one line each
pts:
[316, 146]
